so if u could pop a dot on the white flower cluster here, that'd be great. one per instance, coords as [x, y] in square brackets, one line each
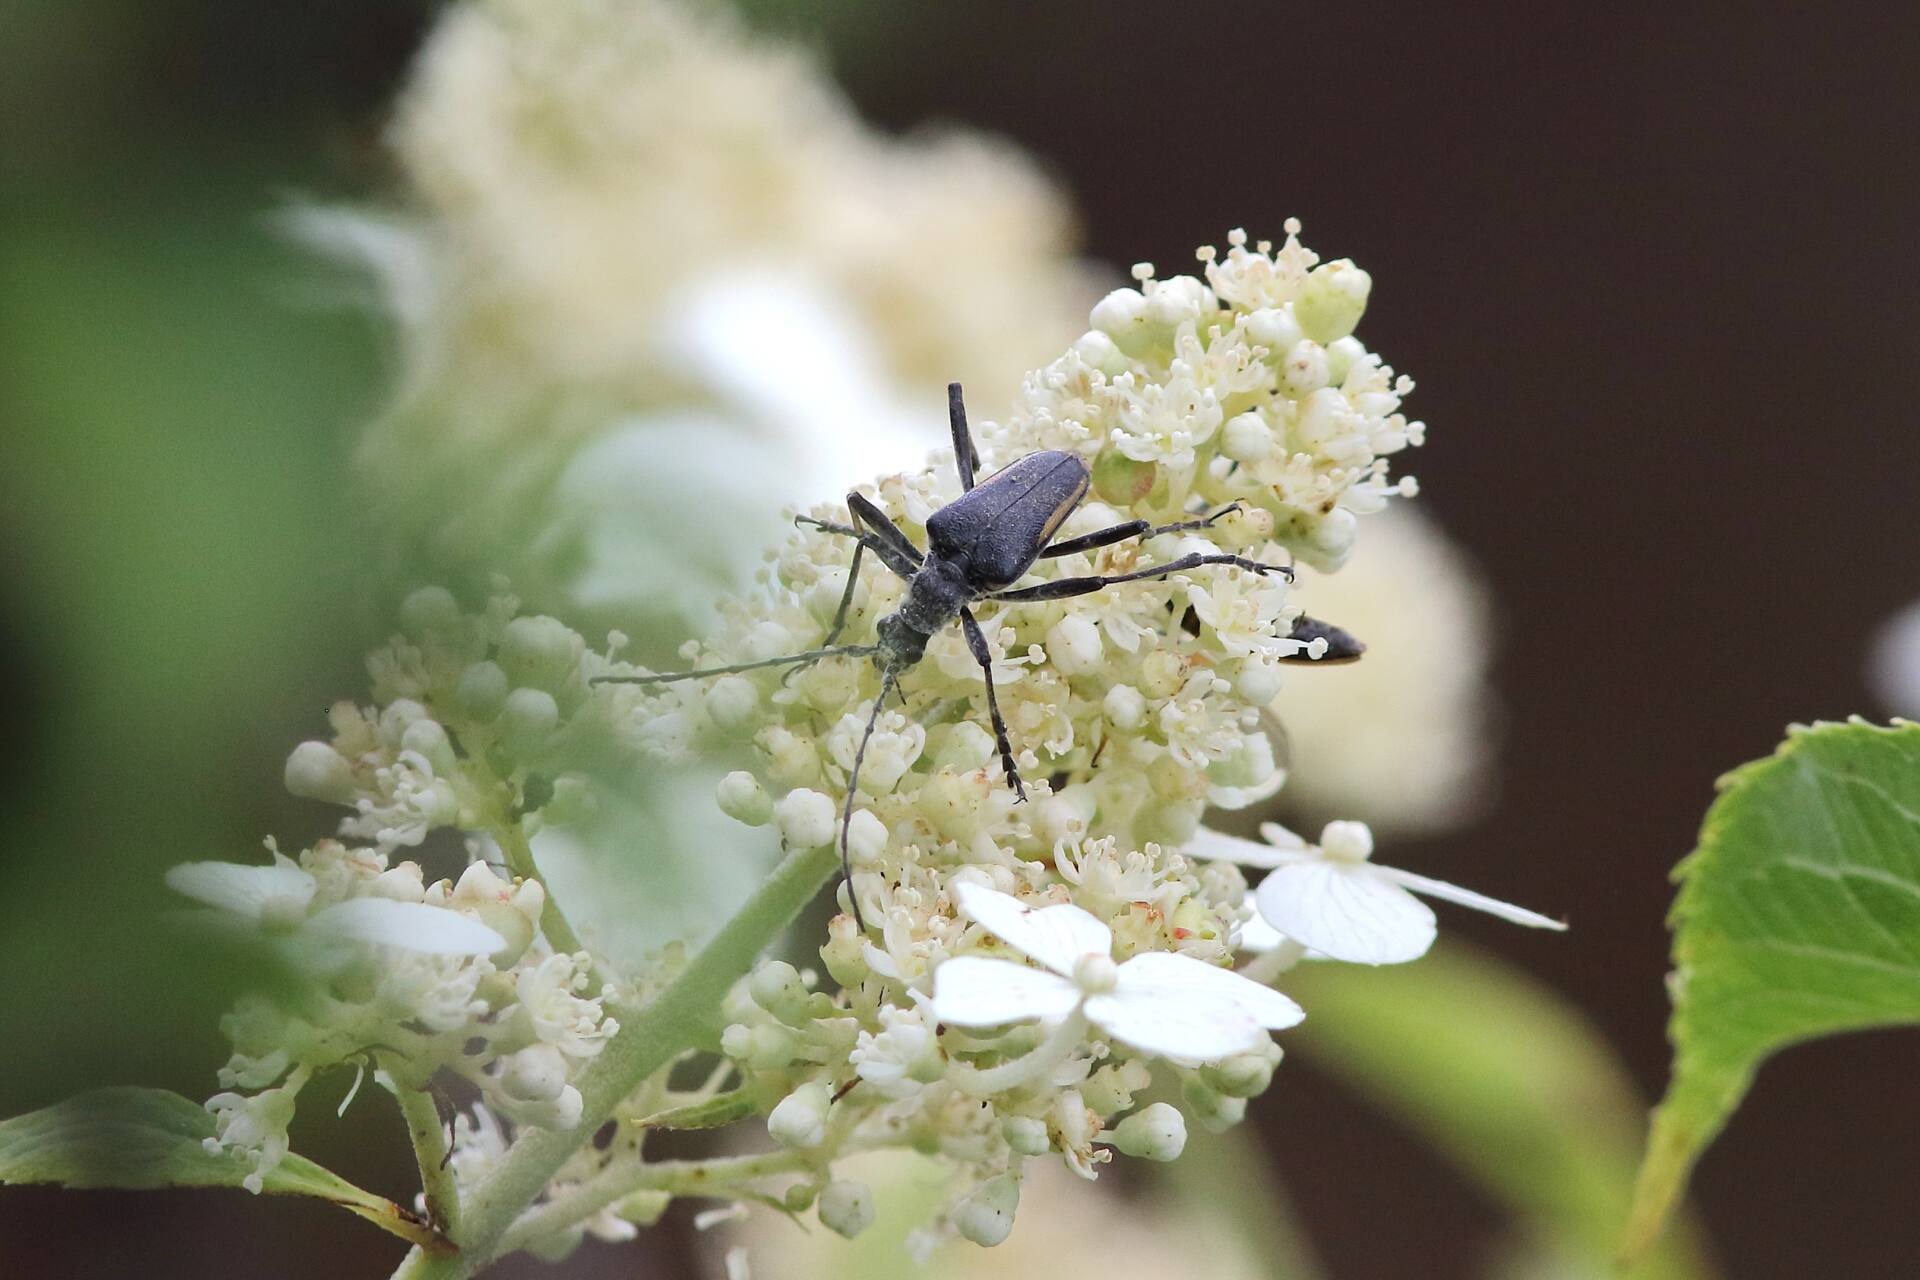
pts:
[1025, 966]
[420, 978]
[1024, 972]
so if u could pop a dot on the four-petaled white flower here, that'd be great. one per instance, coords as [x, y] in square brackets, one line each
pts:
[1330, 898]
[1158, 1002]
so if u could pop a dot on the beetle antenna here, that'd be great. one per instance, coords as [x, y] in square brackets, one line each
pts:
[888, 681]
[813, 655]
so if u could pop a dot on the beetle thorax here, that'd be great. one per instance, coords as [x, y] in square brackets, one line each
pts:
[935, 597]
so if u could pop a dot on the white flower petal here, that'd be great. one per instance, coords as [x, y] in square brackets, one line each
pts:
[1256, 934]
[414, 926]
[244, 890]
[1056, 936]
[1478, 901]
[1349, 911]
[1218, 847]
[1171, 979]
[975, 991]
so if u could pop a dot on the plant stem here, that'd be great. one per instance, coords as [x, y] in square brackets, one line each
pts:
[677, 1177]
[519, 856]
[649, 1038]
[429, 1137]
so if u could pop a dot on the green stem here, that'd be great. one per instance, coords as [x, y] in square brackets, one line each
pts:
[649, 1038]
[676, 1177]
[519, 856]
[429, 1137]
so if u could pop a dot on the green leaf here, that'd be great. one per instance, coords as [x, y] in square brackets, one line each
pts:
[1798, 916]
[143, 1139]
[1506, 1080]
[708, 1113]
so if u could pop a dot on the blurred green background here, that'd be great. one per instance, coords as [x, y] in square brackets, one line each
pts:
[1653, 275]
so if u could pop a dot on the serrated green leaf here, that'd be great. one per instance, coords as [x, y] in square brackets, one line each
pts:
[1798, 916]
[135, 1139]
[1505, 1079]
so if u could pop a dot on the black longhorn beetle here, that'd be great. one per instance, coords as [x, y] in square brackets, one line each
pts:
[978, 546]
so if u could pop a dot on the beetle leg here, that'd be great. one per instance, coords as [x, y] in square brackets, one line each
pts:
[1061, 588]
[965, 457]
[977, 641]
[889, 543]
[811, 655]
[1133, 529]
[887, 683]
[846, 597]
[897, 553]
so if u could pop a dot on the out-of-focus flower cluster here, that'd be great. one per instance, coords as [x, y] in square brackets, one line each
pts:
[628, 227]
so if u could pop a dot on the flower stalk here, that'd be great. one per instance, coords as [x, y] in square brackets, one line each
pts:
[681, 1016]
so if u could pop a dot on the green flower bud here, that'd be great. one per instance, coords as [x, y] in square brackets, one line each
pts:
[1026, 1135]
[986, 1216]
[846, 1207]
[807, 819]
[1244, 1075]
[540, 652]
[529, 718]
[1332, 300]
[733, 702]
[643, 1208]
[430, 740]
[1157, 1132]
[481, 691]
[743, 799]
[428, 610]
[1216, 1112]
[777, 988]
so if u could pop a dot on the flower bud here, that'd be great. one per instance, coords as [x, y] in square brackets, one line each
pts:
[806, 819]
[1162, 673]
[1324, 415]
[1125, 707]
[1027, 1135]
[1304, 368]
[791, 759]
[777, 988]
[481, 691]
[952, 802]
[1101, 352]
[529, 718]
[1342, 355]
[800, 1119]
[964, 746]
[1111, 1088]
[537, 1073]
[315, 771]
[428, 610]
[540, 652]
[1274, 328]
[1073, 645]
[1257, 681]
[1216, 1112]
[845, 952]
[732, 701]
[986, 1216]
[1332, 300]
[1122, 316]
[1157, 1132]
[430, 741]
[1244, 1075]
[846, 1207]
[743, 799]
[1246, 438]
[866, 838]
[1168, 823]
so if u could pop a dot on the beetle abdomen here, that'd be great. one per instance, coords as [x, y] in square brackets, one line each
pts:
[998, 529]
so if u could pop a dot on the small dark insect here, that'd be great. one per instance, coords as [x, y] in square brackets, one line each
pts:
[978, 546]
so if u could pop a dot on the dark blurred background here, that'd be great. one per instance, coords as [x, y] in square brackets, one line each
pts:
[1652, 272]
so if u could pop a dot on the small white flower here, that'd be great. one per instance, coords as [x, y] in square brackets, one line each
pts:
[1158, 1002]
[1330, 898]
